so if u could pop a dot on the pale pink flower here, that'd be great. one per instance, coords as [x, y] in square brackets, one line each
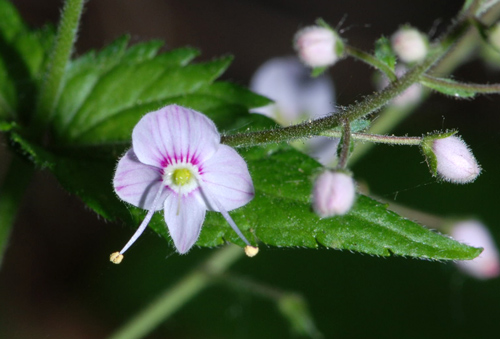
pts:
[455, 161]
[178, 164]
[409, 44]
[474, 233]
[316, 46]
[333, 194]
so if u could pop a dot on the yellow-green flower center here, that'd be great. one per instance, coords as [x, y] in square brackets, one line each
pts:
[181, 176]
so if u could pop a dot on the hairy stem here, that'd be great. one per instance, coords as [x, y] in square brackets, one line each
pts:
[461, 86]
[11, 193]
[371, 60]
[60, 56]
[346, 144]
[453, 58]
[377, 138]
[370, 104]
[175, 297]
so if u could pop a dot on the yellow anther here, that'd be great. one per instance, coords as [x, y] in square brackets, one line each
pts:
[251, 251]
[116, 257]
[181, 176]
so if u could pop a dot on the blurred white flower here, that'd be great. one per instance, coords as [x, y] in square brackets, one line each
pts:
[317, 46]
[474, 233]
[333, 194]
[409, 44]
[297, 97]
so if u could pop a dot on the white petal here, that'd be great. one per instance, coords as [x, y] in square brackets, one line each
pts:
[174, 134]
[226, 176]
[137, 183]
[184, 218]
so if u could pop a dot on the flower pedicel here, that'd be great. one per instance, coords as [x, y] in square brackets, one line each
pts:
[178, 164]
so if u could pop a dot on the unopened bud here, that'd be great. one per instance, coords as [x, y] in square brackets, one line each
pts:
[409, 44]
[474, 233]
[318, 46]
[251, 251]
[333, 194]
[451, 159]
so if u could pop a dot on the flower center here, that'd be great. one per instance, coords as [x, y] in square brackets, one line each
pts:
[181, 176]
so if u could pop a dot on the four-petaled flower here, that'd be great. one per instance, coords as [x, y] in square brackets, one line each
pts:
[178, 164]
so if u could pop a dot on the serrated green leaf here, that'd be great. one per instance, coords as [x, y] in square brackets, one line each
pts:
[23, 54]
[384, 52]
[280, 215]
[86, 72]
[11, 23]
[100, 104]
[450, 87]
[235, 94]
[136, 88]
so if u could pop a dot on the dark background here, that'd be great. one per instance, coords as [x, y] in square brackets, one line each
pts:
[57, 282]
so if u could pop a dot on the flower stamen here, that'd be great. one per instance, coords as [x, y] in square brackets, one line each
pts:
[117, 257]
[249, 249]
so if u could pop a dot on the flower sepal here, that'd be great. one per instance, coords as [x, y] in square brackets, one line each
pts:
[428, 152]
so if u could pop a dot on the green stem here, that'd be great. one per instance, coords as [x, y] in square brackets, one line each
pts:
[175, 297]
[346, 144]
[394, 115]
[377, 138]
[370, 104]
[60, 56]
[371, 60]
[460, 86]
[12, 190]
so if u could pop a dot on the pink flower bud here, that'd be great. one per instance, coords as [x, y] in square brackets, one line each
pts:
[474, 233]
[317, 46]
[409, 44]
[333, 194]
[455, 161]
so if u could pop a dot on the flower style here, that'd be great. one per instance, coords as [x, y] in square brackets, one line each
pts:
[178, 164]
